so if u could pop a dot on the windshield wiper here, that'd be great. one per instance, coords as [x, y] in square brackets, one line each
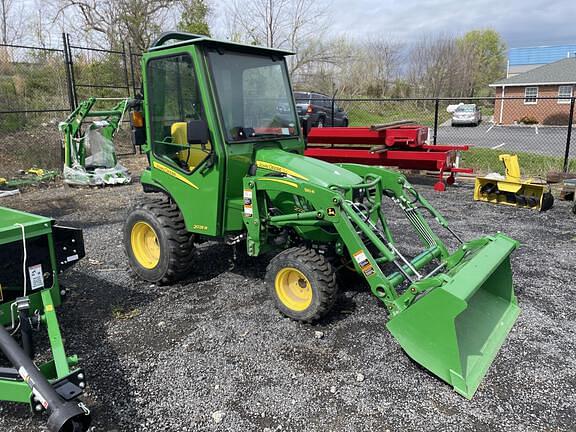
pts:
[267, 135]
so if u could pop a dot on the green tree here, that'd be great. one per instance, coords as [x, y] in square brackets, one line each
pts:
[194, 17]
[483, 53]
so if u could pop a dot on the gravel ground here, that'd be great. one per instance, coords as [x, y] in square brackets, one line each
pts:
[213, 354]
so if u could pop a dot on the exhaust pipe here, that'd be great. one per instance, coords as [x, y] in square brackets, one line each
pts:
[64, 416]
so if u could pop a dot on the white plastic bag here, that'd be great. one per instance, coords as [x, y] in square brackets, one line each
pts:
[101, 149]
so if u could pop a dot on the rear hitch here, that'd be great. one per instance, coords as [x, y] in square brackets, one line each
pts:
[64, 415]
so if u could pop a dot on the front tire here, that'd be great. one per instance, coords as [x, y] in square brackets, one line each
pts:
[302, 284]
[158, 246]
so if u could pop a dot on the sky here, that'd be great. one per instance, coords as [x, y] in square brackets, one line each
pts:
[519, 22]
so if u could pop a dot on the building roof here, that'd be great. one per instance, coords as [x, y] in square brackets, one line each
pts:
[559, 72]
[540, 54]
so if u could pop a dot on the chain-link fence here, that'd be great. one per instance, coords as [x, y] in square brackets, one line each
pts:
[40, 86]
[33, 99]
[106, 74]
[538, 129]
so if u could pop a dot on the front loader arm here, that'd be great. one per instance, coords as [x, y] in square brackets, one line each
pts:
[330, 209]
[397, 187]
[358, 234]
[451, 319]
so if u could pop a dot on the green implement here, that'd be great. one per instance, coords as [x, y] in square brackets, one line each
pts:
[220, 129]
[88, 137]
[32, 253]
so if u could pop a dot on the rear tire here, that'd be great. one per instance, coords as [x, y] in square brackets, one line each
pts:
[158, 246]
[302, 284]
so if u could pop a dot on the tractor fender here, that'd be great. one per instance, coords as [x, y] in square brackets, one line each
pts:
[152, 186]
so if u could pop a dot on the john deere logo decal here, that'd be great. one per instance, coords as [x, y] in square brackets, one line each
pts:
[173, 173]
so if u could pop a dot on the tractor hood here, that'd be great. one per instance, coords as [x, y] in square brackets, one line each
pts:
[305, 168]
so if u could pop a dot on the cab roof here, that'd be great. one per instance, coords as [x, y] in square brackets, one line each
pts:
[183, 38]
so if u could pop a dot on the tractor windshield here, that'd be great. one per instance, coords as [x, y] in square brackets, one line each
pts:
[253, 92]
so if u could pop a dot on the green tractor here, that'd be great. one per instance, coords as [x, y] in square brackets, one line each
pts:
[219, 126]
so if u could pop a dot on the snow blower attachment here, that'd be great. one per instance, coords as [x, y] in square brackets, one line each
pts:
[89, 153]
[512, 189]
[450, 311]
[32, 253]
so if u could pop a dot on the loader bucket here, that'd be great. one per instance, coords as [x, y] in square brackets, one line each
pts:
[456, 330]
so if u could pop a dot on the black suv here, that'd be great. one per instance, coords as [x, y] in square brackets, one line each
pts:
[317, 108]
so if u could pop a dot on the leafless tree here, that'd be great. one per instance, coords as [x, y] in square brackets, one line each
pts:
[263, 22]
[433, 66]
[381, 59]
[295, 25]
[11, 21]
[137, 21]
[322, 65]
[445, 65]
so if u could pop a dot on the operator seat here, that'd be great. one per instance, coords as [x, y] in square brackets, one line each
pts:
[193, 156]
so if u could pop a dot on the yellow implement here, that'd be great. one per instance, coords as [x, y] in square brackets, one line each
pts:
[512, 189]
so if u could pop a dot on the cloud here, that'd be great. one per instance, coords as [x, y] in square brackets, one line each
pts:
[521, 23]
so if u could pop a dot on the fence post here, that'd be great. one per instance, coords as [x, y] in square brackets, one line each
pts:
[569, 135]
[126, 80]
[72, 77]
[436, 104]
[132, 69]
[68, 75]
[333, 106]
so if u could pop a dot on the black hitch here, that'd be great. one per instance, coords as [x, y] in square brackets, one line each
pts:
[64, 415]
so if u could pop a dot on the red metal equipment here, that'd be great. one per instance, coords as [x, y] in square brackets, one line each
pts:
[400, 146]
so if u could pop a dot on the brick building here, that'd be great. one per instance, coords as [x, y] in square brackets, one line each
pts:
[555, 80]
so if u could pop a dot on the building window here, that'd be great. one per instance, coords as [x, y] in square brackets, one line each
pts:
[530, 95]
[564, 94]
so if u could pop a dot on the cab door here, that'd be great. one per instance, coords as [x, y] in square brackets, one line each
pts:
[188, 172]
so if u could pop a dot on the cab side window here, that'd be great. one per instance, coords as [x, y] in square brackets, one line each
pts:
[174, 100]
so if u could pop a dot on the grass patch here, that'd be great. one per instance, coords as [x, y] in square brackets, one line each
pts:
[367, 113]
[485, 160]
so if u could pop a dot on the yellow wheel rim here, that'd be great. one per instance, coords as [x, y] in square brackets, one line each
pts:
[293, 289]
[145, 247]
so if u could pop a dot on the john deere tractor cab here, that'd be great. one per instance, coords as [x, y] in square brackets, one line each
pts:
[220, 130]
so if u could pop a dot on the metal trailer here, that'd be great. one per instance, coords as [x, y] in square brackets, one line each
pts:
[395, 145]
